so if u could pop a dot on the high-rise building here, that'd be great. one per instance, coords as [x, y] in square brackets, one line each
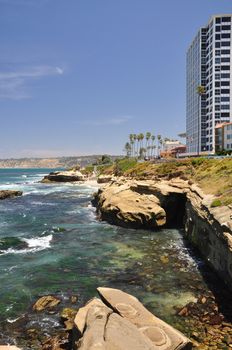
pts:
[209, 92]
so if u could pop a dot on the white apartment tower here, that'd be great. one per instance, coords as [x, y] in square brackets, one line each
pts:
[208, 65]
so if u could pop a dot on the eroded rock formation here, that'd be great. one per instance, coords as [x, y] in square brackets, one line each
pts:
[64, 176]
[171, 203]
[120, 322]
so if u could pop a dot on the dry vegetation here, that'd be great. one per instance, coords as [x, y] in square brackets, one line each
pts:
[214, 176]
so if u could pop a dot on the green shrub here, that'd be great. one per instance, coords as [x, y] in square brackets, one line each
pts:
[216, 203]
[122, 165]
[197, 161]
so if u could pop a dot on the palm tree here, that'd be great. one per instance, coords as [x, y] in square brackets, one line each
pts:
[127, 149]
[142, 152]
[152, 143]
[159, 138]
[131, 137]
[141, 138]
[148, 136]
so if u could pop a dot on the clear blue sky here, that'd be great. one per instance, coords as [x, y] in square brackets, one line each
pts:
[78, 76]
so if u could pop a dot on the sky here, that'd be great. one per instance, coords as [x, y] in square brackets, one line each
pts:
[78, 76]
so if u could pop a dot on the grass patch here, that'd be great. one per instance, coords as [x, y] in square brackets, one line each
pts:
[216, 203]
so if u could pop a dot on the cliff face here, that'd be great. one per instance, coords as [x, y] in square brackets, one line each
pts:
[149, 204]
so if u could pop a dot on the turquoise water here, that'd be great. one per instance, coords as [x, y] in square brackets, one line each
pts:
[52, 243]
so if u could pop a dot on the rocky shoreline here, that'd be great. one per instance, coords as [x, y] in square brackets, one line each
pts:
[172, 203]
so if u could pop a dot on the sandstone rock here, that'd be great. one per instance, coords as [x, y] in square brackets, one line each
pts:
[118, 204]
[9, 194]
[80, 319]
[8, 347]
[162, 335]
[102, 179]
[96, 319]
[120, 334]
[64, 176]
[46, 302]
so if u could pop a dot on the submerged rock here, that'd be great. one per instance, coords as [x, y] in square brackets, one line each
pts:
[9, 194]
[64, 176]
[12, 242]
[68, 315]
[46, 302]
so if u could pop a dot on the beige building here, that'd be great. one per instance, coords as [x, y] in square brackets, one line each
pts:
[223, 137]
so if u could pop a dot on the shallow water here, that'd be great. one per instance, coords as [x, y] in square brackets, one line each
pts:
[52, 243]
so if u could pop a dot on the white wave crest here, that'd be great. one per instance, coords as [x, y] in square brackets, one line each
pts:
[34, 245]
[39, 242]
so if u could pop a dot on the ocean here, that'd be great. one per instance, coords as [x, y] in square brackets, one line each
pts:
[51, 242]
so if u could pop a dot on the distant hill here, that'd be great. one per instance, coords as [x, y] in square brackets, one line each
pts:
[59, 162]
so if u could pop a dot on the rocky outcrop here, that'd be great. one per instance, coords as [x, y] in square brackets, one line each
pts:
[9, 194]
[63, 176]
[120, 322]
[102, 179]
[118, 203]
[171, 203]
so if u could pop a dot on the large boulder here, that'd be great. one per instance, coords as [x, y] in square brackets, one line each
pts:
[120, 322]
[118, 204]
[64, 176]
[9, 194]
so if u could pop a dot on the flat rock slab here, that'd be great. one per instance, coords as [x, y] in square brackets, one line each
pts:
[121, 334]
[162, 335]
[8, 347]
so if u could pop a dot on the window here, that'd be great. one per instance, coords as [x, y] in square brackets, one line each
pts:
[226, 27]
[217, 60]
[218, 28]
[225, 91]
[217, 53]
[225, 67]
[225, 43]
[217, 83]
[225, 83]
[217, 107]
[225, 115]
[226, 19]
[218, 20]
[225, 59]
[225, 52]
[217, 36]
[224, 99]
[217, 99]
[225, 75]
[217, 68]
[217, 44]
[225, 35]
[217, 115]
[225, 106]
[217, 92]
